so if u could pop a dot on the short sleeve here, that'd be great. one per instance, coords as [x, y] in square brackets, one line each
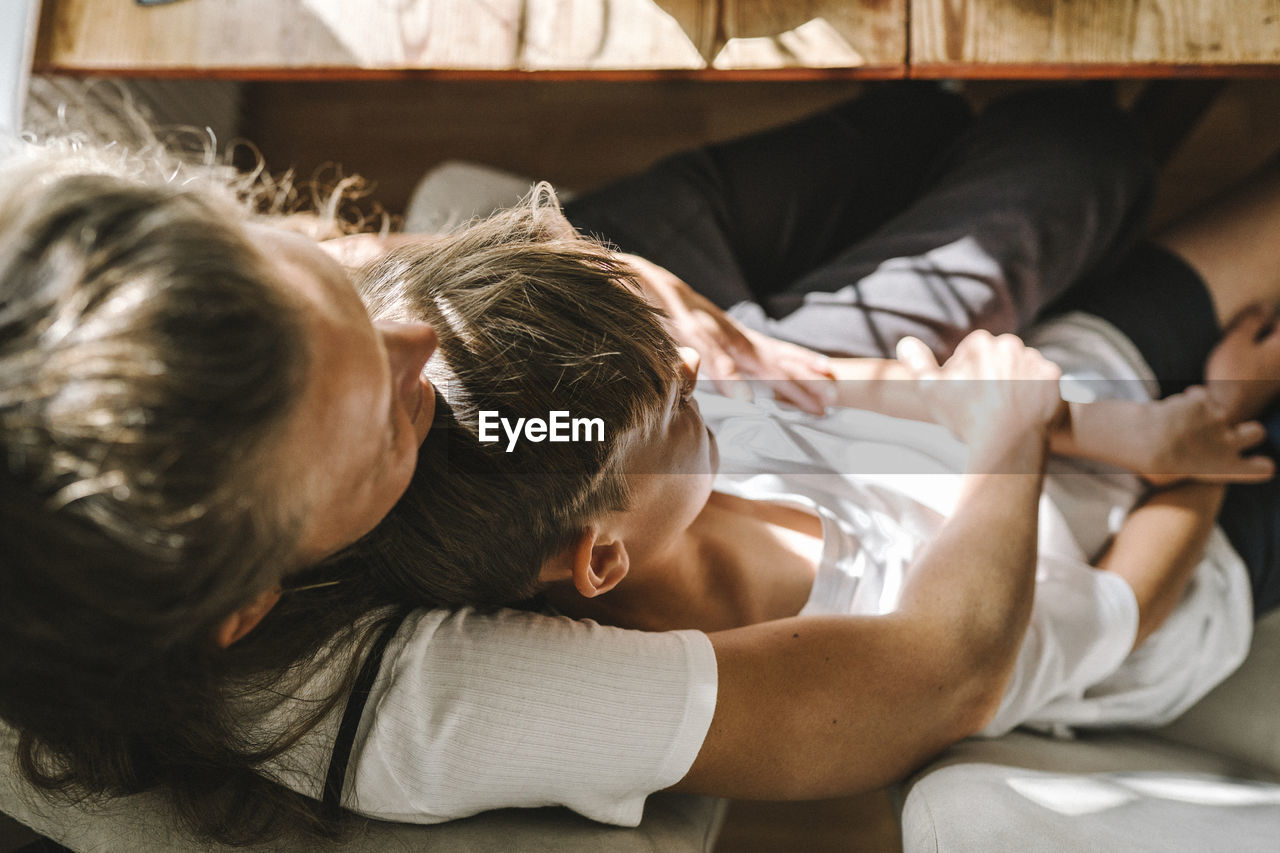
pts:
[475, 711]
[1083, 625]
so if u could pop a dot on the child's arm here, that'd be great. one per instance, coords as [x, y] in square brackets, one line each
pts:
[1201, 433]
[1184, 436]
[1192, 435]
[1159, 546]
[883, 385]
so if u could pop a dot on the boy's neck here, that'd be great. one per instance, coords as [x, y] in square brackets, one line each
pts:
[738, 563]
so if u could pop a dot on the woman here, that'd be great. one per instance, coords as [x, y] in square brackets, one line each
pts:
[191, 411]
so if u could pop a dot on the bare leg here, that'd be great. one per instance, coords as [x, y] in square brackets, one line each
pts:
[1234, 243]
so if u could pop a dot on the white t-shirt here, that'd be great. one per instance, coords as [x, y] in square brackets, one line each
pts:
[474, 711]
[896, 481]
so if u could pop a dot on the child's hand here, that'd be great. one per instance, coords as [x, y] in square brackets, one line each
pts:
[1194, 439]
[1243, 371]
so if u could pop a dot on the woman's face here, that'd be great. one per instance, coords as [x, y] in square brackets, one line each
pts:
[349, 447]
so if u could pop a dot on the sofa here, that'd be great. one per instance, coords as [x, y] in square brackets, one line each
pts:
[1208, 782]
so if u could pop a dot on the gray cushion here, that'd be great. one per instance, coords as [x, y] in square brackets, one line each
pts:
[1207, 782]
[994, 808]
[142, 824]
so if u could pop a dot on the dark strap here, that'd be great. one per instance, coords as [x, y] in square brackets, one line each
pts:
[337, 775]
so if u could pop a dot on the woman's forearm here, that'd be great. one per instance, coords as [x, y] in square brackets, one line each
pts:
[976, 581]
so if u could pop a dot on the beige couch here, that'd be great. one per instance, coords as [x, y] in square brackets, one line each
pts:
[1209, 782]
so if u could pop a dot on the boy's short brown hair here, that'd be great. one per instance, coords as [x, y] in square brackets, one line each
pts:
[532, 318]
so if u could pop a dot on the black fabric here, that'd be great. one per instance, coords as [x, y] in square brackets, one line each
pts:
[1162, 305]
[345, 741]
[796, 223]
[744, 219]
[44, 845]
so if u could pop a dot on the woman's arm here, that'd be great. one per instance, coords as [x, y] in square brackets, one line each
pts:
[817, 707]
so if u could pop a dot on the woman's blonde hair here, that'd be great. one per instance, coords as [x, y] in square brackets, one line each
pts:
[147, 362]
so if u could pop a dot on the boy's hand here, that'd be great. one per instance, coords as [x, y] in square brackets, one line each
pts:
[731, 352]
[1243, 371]
[1193, 437]
[991, 389]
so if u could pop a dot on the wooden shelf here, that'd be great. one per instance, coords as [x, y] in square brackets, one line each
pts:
[660, 39]
[338, 38]
[1093, 37]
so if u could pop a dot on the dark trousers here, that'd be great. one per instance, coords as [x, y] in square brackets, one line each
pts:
[890, 215]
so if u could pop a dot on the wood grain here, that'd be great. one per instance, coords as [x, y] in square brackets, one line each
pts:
[479, 35]
[987, 34]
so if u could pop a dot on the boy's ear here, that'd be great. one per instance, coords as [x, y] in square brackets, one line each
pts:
[600, 568]
[594, 563]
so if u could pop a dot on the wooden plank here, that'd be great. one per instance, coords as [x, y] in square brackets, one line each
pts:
[282, 33]
[811, 33]
[1088, 71]
[984, 35]
[471, 35]
[616, 34]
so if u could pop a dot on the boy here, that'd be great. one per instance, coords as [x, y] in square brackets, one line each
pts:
[806, 516]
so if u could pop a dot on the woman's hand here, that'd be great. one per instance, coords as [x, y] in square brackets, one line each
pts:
[1243, 370]
[991, 389]
[731, 352]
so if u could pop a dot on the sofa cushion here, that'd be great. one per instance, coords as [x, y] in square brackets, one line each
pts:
[1207, 782]
[143, 824]
[995, 808]
[1241, 717]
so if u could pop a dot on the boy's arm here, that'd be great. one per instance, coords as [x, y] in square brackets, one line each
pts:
[1159, 546]
[1200, 433]
[882, 385]
[731, 352]
[1183, 436]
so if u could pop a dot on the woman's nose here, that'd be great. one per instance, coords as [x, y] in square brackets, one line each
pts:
[409, 345]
